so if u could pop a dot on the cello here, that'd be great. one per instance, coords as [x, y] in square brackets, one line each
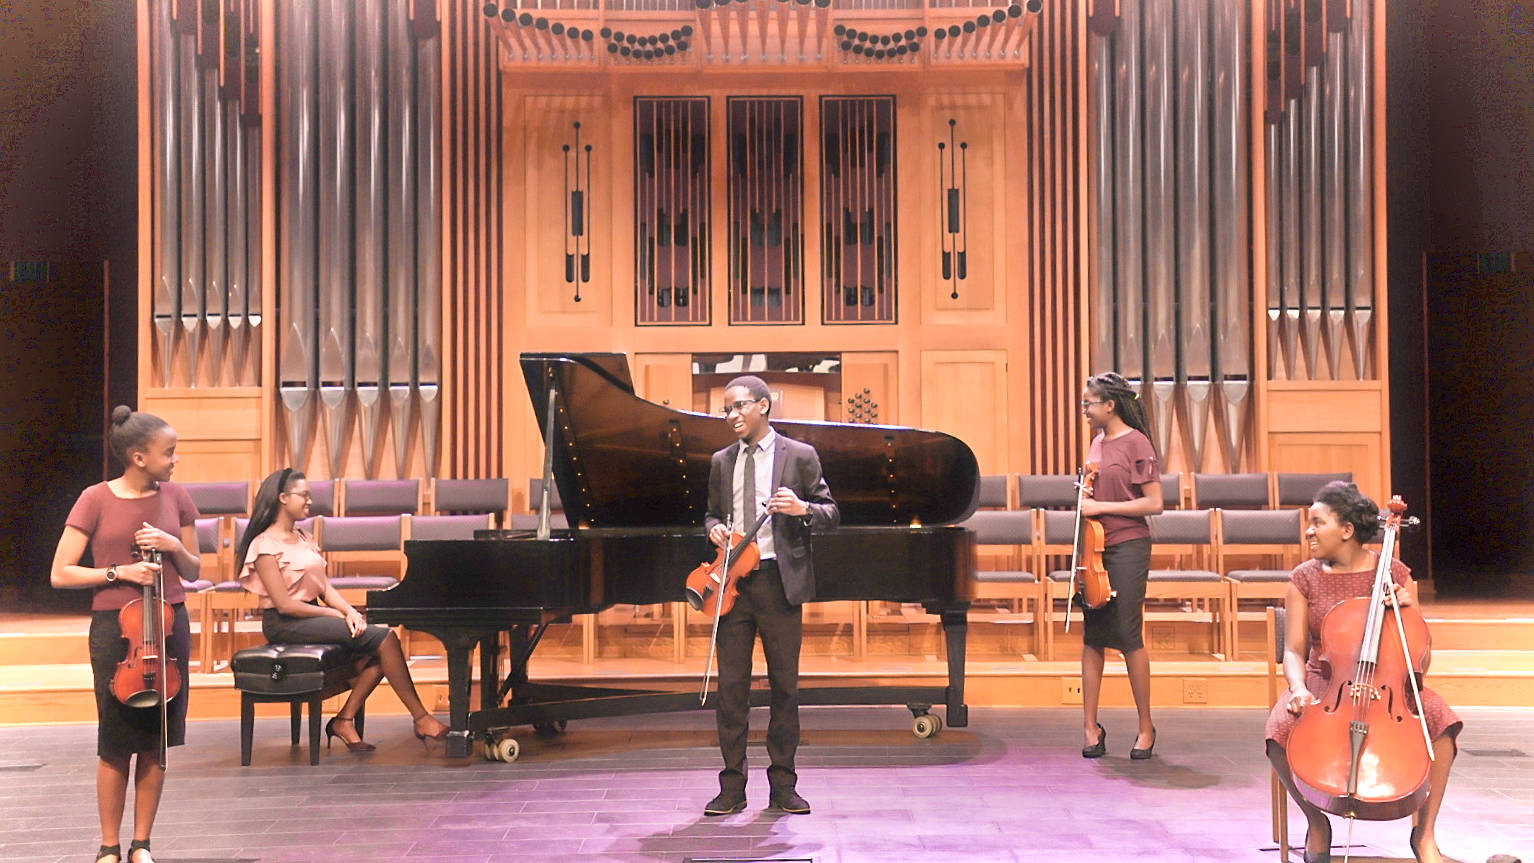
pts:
[1356, 752]
[1087, 553]
[148, 676]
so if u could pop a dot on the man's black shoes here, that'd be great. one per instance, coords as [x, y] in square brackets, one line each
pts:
[790, 802]
[725, 803]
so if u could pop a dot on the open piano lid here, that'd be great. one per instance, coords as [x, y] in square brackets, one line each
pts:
[621, 461]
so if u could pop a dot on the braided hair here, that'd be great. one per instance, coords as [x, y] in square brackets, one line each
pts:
[1111, 386]
[1351, 506]
[264, 512]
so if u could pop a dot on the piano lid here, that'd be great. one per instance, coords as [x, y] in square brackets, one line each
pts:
[621, 461]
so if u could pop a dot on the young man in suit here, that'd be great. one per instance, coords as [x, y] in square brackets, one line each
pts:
[764, 470]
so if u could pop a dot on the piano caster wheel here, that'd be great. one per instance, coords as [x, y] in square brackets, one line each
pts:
[550, 729]
[506, 749]
[926, 725]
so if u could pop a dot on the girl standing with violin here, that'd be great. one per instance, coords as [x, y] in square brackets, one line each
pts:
[117, 520]
[282, 566]
[1342, 520]
[1128, 488]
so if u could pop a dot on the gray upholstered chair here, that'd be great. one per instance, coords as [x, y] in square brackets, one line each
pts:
[1275, 534]
[449, 527]
[993, 491]
[380, 496]
[1189, 537]
[1230, 490]
[471, 496]
[1299, 489]
[373, 541]
[219, 498]
[322, 497]
[1005, 542]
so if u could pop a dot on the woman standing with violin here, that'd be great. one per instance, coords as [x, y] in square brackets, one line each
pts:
[117, 520]
[1342, 520]
[1127, 489]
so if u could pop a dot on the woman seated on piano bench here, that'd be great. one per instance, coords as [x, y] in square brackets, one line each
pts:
[283, 567]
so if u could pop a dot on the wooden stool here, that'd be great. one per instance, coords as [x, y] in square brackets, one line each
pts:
[297, 674]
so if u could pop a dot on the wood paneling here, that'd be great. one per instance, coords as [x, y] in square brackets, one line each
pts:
[871, 376]
[964, 393]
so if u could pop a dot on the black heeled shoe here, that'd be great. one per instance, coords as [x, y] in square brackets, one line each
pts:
[1137, 754]
[109, 851]
[1411, 841]
[358, 746]
[440, 735]
[1098, 749]
[139, 845]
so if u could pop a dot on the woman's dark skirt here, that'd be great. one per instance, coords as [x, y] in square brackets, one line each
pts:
[122, 730]
[280, 628]
[1118, 624]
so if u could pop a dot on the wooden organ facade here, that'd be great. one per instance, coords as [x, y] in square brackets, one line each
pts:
[356, 214]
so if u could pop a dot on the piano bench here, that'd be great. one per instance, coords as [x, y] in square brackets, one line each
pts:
[296, 674]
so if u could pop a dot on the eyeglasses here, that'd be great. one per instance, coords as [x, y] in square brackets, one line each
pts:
[304, 494]
[1086, 403]
[737, 406]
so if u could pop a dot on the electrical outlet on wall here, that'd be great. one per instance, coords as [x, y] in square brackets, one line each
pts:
[1070, 690]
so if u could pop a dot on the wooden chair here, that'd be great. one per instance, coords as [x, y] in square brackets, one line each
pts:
[471, 496]
[1052, 499]
[1189, 535]
[1274, 534]
[1230, 490]
[1299, 489]
[322, 497]
[1173, 495]
[1277, 618]
[1009, 535]
[380, 496]
[448, 527]
[367, 539]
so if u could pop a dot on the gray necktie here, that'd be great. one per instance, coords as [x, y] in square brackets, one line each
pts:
[748, 496]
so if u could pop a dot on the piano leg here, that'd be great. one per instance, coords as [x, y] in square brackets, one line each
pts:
[460, 649]
[489, 671]
[955, 630]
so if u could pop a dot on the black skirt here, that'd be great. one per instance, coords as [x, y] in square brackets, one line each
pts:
[281, 628]
[122, 730]
[1118, 624]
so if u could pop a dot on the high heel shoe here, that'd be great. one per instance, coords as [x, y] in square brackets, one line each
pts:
[439, 735]
[1137, 754]
[1098, 749]
[358, 746]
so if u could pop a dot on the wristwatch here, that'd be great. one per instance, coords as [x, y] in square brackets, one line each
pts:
[111, 573]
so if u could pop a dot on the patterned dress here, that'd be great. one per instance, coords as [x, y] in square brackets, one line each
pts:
[1323, 591]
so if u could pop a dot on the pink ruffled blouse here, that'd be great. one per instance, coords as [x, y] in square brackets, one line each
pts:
[298, 561]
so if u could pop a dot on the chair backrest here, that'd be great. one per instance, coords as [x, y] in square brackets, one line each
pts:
[1182, 527]
[448, 526]
[322, 497]
[360, 533]
[1171, 490]
[1260, 527]
[535, 495]
[529, 521]
[992, 492]
[1001, 527]
[1046, 491]
[1299, 489]
[207, 535]
[1230, 490]
[219, 498]
[1059, 527]
[470, 495]
[381, 496]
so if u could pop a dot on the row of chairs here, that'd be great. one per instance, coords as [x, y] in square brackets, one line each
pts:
[1178, 490]
[368, 497]
[1198, 548]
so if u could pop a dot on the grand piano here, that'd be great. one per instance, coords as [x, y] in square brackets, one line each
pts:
[633, 478]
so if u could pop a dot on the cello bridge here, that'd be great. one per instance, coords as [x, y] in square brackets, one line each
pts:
[1359, 690]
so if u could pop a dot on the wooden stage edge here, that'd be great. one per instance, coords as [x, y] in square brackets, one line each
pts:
[1483, 657]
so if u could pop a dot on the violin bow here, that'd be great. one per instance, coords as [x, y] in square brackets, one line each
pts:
[161, 688]
[713, 639]
[1081, 487]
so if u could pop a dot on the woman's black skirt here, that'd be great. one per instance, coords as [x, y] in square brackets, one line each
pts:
[1117, 624]
[122, 730]
[286, 629]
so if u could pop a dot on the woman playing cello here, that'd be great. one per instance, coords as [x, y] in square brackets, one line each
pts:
[1342, 520]
[1128, 489]
[141, 509]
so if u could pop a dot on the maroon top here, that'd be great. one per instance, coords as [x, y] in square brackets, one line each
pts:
[1123, 465]
[110, 522]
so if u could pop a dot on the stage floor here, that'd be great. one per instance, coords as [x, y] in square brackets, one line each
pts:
[1012, 786]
